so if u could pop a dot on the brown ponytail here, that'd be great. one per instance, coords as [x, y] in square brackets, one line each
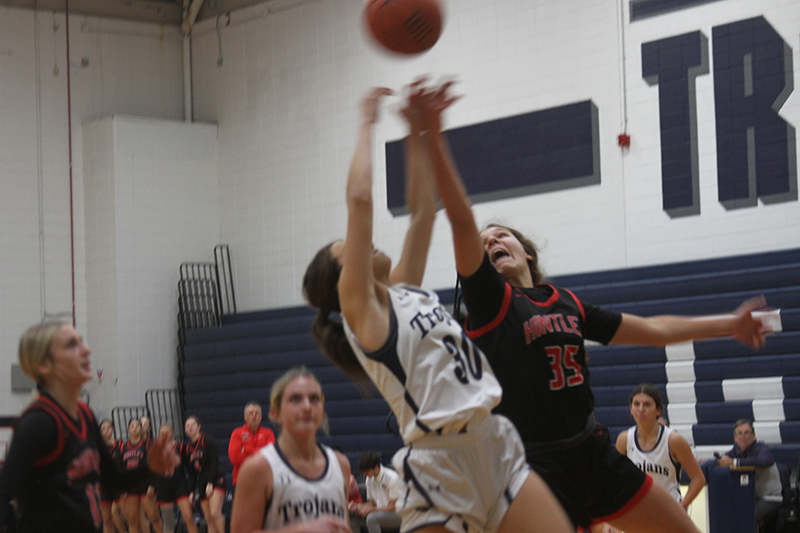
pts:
[320, 290]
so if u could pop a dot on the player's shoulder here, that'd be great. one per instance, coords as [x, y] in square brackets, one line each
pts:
[344, 464]
[673, 437]
[256, 469]
[37, 421]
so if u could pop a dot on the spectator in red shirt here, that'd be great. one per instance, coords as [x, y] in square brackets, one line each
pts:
[248, 439]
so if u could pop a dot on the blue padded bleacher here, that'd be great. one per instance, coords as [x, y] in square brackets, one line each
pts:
[703, 287]
[227, 366]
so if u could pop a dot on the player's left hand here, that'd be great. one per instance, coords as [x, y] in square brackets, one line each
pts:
[161, 457]
[748, 329]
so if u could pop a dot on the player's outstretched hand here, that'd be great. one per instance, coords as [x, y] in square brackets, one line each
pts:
[370, 104]
[434, 102]
[327, 524]
[411, 109]
[748, 329]
[161, 458]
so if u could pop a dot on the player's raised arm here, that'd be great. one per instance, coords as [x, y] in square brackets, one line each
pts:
[357, 280]
[420, 196]
[466, 237]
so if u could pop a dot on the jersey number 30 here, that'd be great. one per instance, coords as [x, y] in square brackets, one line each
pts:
[466, 357]
[566, 370]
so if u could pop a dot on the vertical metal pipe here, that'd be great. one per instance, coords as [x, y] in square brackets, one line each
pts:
[69, 136]
[187, 70]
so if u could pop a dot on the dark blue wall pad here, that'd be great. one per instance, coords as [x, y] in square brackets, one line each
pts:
[641, 9]
[541, 151]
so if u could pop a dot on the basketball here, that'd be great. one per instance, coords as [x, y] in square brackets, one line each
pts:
[406, 27]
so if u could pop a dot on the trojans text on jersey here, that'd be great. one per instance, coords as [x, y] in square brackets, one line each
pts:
[309, 509]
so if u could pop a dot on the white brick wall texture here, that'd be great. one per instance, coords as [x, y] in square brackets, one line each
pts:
[285, 100]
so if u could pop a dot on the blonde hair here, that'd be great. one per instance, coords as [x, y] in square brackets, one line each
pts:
[34, 347]
[280, 384]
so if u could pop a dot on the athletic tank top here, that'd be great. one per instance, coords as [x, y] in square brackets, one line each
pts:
[433, 376]
[297, 499]
[657, 462]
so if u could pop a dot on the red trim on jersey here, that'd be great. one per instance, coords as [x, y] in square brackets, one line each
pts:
[131, 447]
[70, 423]
[550, 301]
[87, 412]
[578, 302]
[56, 453]
[641, 493]
[191, 447]
[501, 314]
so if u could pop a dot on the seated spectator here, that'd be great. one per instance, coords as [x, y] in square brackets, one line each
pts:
[748, 452]
[383, 489]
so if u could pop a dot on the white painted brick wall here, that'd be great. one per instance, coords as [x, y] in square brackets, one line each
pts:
[162, 209]
[133, 68]
[286, 97]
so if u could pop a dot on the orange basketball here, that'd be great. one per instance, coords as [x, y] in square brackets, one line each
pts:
[406, 27]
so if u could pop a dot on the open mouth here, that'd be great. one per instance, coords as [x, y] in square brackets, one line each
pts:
[498, 254]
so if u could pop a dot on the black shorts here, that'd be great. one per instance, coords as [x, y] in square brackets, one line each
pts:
[218, 483]
[140, 491]
[593, 481]
[108, 496]
[171, 489]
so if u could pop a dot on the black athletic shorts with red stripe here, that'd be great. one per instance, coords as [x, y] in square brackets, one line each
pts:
[592, 480]
[172, 489]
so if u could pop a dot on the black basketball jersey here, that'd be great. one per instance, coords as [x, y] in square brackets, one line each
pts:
[132, 456]
[534, 341]
[54, 467]
[179, 470]
[61, 492]
[202, 461]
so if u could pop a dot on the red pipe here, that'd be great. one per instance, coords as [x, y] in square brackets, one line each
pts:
[69, 136]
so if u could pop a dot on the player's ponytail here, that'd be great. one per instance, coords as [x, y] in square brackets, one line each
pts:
[319, 289]
[34, 348]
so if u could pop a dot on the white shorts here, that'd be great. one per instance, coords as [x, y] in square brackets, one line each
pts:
[463, 481]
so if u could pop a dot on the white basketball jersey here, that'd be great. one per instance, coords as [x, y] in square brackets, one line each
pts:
[431, 374]
[297, 499]
[657, 462]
